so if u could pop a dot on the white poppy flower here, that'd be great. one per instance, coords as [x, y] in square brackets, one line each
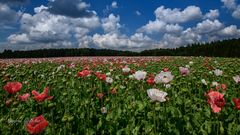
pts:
[204, 81]
[104, 110]
[140, 75]
[218, 72]
[126, 70]
[237, 79]
[190, 63]
[163, 77]
[157, 95]
[109, 80]
[215, 83]
[167, 86]
[60, 67]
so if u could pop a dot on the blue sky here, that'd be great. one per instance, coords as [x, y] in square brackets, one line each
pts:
[115, 24]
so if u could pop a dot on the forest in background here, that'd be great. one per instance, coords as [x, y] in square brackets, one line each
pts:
[224, 48]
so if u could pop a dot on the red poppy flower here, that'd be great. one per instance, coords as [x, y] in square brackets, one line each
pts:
[237, 102]
[24, 97]
[216, 100]
[84, 73]
[100, 95]
[12, 87]
[150, 80]
[37, 125]
[41, 97]
[101, 76]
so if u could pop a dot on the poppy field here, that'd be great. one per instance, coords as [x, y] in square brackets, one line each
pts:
[120, 95]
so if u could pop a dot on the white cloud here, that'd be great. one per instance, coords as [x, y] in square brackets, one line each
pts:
[176, 15]
[85, 41]
[40, 9]
[52, 30]
[233, 6]
[153, 27]
[212, 14]
[108, 40]
[230, 31]
[208, 26]
[18, 38]
[187, 36]
[114, 39]
[114, 4]
[236, 12]
[158, 26]
[136, 42]
[230, 4]
[83, 6]
[44, 29]
[111, 24]
[140, 37]
[173, 28]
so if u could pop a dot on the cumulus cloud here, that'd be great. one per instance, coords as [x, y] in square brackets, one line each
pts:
[158, 26]
[186, 37]
[233, 6]
[47, 29]
[208, 26]
[111, 24]
[230, 4]
[40, 9]
[52, 30]
[136, 42]
[70, 8]
[18, 38]
[114, 39]
[236, 12]
[230, 31]
[204, 31]
[167, 20]
[176, 15]
[212, 14]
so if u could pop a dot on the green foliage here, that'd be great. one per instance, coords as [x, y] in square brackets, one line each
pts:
[75, 108]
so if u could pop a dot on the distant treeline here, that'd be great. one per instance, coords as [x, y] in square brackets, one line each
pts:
[225, 48]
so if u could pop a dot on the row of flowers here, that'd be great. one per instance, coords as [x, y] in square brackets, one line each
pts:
[214, 98]
[35, 125]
